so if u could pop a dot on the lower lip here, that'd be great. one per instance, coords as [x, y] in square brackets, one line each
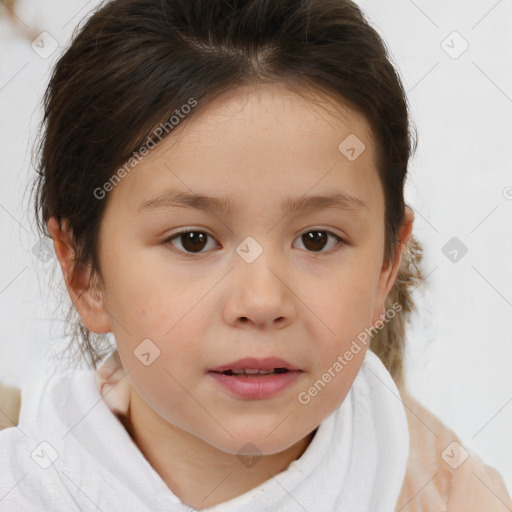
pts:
[251, 387]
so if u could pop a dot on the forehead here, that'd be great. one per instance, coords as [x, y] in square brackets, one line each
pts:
[258, 110]
[263, 141]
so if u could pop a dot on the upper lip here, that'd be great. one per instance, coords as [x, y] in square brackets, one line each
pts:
[267, 363]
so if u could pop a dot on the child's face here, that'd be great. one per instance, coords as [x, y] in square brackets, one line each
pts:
[302, 300]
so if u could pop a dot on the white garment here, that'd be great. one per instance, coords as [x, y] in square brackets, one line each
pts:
[355, 463]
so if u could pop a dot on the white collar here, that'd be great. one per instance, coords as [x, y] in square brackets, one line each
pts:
[355, 463]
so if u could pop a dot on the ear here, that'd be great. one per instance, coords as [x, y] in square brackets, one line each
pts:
[390, 270]
[86, 297]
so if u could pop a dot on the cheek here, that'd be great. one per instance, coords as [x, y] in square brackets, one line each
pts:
[340, 351]
[345, 305]
[326, 389]
[162, 366]
[162, 390]
[350, 296]
[154, 300]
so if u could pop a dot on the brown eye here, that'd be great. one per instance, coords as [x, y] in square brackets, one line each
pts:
[191, 241]
[316, 240]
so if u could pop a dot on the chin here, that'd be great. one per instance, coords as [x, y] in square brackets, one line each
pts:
[254, 442]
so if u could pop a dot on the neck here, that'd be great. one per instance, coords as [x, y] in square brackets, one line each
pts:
[210, 476]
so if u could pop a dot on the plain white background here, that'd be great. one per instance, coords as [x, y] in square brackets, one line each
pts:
[454, 58]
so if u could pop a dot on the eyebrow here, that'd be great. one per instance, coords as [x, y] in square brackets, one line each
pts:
[177, 199]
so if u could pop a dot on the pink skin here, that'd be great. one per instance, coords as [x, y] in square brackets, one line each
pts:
[257, 145]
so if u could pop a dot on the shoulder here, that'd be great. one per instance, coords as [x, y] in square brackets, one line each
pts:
[10, 403]
[107, 377]
[442, 474]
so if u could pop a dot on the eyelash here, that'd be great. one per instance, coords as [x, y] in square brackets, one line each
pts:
[168, 240]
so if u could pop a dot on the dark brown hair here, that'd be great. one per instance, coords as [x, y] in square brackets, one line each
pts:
[135, 62]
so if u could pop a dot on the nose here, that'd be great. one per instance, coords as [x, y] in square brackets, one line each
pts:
[259, 295]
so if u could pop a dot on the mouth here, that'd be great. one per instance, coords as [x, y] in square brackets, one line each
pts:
[255, 367]
[254, 372]
[255, 386]
[254, 378]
